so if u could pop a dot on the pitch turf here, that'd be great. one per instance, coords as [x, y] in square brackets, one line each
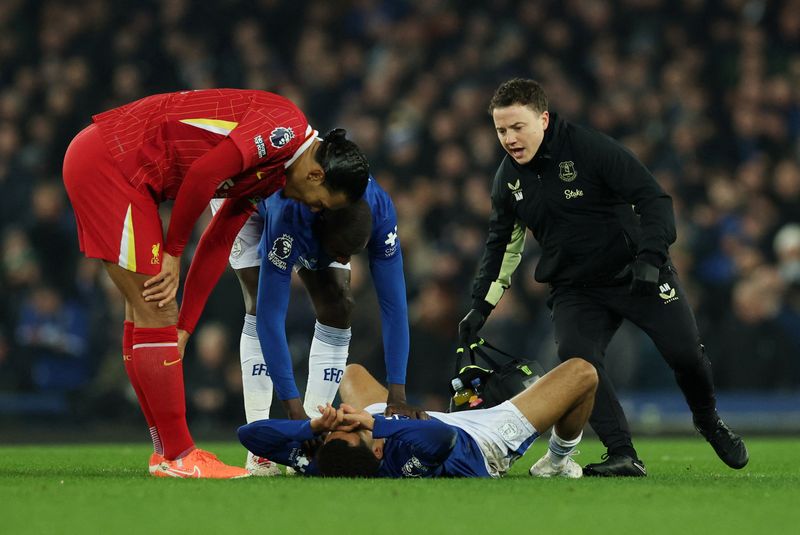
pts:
[106, 489]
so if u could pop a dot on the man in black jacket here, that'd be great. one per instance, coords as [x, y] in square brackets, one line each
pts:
[604, 226]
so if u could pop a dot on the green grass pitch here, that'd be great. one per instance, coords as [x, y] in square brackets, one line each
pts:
[105, 489]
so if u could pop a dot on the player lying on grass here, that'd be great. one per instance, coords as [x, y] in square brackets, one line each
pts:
[360, 442]
[190, 146]
[318, 246]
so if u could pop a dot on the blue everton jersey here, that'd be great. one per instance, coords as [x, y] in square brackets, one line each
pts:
[427, 448]
[288, 236]
[413, 448]
[289, 240]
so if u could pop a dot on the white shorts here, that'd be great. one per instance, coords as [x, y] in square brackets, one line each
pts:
[244, 253]
[502, 432]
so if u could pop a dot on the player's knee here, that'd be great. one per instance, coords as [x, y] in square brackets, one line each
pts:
[352, 372]
[584, 371]
[248, 280]
[337, 309]
[353, 376]
[149, 314]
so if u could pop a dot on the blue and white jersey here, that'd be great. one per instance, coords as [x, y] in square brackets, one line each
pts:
[413, 448]
[289, 240]
[479, 443]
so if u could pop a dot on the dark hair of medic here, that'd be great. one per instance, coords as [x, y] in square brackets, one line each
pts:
[519, 91]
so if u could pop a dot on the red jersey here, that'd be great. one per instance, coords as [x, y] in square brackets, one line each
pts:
[228, 143]
[156, 139]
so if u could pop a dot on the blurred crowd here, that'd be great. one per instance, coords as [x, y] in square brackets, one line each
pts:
[706, 93]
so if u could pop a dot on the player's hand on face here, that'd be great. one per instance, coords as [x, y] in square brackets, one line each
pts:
[403, 409]
[339, 424]
[164, 286]
[363, 419]
[327, 420]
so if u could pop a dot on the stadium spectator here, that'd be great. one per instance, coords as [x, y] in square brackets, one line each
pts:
[209, 394]
[697, 89]
[432, 315]
[754, 328]
[52, 334]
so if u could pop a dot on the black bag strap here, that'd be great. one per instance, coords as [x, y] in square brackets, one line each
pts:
[459, 358]
[486, 358]
[476, 349]
[498, 350]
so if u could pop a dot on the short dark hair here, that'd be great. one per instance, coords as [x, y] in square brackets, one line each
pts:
[337, 458]
[346, 168]
[345, 231]
[519, 91]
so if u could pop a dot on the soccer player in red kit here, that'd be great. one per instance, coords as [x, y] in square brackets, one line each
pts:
[191, 146]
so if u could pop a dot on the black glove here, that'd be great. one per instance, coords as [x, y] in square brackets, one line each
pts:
[468, 329]
[645, 277]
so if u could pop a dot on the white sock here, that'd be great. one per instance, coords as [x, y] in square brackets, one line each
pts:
[326, 362]
[559, 449]
[256, 382]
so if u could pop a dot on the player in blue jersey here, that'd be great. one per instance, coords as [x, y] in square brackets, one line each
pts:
[294, 236]
[289, 234]
[477, 443]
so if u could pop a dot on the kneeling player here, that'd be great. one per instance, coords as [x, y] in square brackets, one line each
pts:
[480, 443]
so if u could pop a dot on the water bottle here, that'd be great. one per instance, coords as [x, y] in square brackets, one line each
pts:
[462, 394]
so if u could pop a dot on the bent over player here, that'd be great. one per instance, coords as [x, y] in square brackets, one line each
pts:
[478, 443]
[190, 146]
[318, 246]
[604, 226]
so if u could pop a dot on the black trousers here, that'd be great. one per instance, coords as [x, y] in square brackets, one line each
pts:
[585, 319]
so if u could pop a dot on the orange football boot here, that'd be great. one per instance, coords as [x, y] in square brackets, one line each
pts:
[200, 464]
[155, 462]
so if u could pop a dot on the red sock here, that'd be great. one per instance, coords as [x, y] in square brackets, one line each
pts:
[127, 359]
[160, 373]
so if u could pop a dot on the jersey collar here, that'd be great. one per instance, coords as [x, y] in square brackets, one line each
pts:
[307, 141]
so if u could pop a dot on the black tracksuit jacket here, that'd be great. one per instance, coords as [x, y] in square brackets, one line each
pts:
[591, 205]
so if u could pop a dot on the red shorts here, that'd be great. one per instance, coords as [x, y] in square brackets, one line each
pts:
[116, 222]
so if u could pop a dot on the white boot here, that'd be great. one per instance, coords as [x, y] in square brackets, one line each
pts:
[545, 467]
[261, 466]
